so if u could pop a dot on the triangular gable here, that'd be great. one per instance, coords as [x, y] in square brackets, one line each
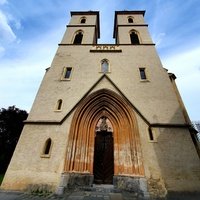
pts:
[84, 96]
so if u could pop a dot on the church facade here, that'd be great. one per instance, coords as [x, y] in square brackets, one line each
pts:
[107, 114]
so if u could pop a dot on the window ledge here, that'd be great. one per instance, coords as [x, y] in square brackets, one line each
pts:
[145, 80]
[105, 72]
[153, 141]
[45, 156]
[65, 79]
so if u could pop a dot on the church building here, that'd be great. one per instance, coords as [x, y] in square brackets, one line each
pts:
[107, 114]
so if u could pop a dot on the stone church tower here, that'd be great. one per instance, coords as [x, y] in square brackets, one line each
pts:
[107, 114]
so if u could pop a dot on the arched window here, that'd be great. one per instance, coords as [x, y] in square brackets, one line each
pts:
[78, 37]
[47, 147]
[134, 37]
[83, 20]
[59, 104]
[104, 66]
[130, 20]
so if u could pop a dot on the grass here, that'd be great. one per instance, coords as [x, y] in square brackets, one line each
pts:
[1, 178]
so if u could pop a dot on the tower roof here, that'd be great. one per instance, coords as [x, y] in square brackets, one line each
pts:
[89, 13]
[125, 12]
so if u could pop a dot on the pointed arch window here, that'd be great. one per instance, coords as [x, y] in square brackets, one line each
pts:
[134, 37]
[47, 148]
[78, 37]
[104, 66]
[83, 20]
[59, 105]
[130, 20]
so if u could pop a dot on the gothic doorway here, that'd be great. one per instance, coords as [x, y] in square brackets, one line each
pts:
[103, 167]
[119, 135]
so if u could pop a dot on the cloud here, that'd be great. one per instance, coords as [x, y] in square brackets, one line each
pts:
[6, 32]
[9, 25]
[184, 62]
[19, 82]
[2, 50]
[158, 39]
[3, 2]
[22, 75]
[186, 66]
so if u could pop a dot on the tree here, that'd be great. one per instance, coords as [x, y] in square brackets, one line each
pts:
[11, 125]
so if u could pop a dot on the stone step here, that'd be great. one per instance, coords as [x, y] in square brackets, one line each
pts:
[101, 188]
[116, 196]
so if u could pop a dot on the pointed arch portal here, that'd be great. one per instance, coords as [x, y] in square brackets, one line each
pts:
[106, 104]
[103, 167]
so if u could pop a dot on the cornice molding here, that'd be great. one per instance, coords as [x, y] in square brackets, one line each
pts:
[144, 44]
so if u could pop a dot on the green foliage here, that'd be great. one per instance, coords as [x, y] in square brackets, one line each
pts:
[11, 125]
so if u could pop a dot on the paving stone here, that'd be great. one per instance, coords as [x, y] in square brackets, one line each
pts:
[8, 196]
[76, 195]
[93, 198]
[75, 198]
[116, 196]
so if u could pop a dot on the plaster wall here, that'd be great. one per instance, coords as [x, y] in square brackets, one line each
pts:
[123, 19]
[90, 19]
[164, 158]
[170, 161]
[147, 95]
[29, 165]
[124, 34]
[88, 35]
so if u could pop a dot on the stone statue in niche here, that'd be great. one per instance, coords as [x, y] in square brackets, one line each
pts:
[103, 125]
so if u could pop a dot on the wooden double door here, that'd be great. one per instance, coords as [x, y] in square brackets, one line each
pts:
[103, 158]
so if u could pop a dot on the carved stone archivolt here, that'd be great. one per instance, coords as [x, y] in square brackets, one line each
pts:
[104, 110]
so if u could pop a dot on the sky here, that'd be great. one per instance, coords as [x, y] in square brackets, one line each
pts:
[30, 31]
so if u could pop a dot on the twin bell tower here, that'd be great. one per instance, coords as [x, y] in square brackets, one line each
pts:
[107, 114]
